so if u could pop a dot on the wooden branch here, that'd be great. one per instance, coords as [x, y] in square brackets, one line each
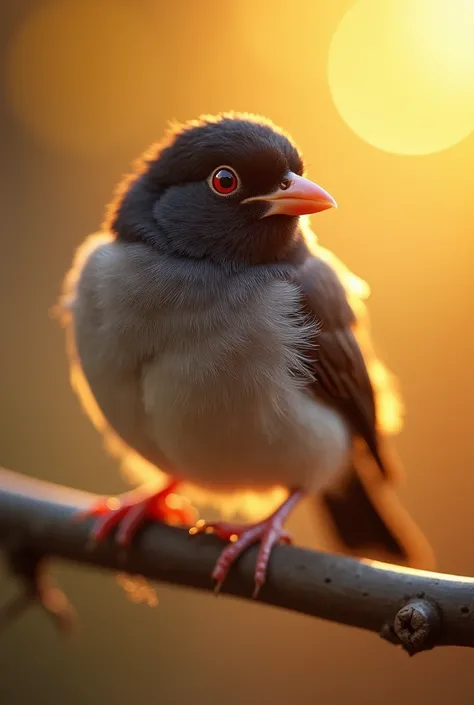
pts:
[415, 609]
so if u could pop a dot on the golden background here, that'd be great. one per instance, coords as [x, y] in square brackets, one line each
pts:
[86, 86]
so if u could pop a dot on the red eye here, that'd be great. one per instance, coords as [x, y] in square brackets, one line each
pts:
[224, 181]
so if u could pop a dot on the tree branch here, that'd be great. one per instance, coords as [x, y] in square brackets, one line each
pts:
[415, 609]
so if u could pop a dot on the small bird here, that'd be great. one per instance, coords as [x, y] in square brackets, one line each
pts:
[216, 345]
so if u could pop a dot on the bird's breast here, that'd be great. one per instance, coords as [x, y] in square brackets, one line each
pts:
[227, 398]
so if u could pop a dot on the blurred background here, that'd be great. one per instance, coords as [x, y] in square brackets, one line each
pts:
[379, 94]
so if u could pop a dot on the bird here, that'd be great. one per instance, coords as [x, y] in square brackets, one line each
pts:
[212, 341]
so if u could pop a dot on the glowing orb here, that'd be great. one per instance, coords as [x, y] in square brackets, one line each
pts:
[401, 73]
[82, 75]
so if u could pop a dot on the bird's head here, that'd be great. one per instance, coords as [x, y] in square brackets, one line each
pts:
[228, 188]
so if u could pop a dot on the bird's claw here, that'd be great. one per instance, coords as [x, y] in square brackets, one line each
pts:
[130, 512]
[267, 532]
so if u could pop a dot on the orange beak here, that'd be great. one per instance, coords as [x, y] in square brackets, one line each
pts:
[301, 197]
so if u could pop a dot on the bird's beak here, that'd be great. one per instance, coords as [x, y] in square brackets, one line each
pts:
[300, 198]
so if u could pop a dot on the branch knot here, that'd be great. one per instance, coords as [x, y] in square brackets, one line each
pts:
[417, 624]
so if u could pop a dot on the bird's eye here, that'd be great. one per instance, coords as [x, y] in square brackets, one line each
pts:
[285, 184]
[224, 181]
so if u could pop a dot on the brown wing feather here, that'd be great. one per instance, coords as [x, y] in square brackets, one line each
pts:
[339, 368]
[363, 514]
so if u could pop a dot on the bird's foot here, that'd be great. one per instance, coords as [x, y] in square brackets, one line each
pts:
[129, 512]
[267, 532]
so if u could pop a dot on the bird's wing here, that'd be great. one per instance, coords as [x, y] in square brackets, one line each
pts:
[388, 398]
[363, 514]
[338, 366]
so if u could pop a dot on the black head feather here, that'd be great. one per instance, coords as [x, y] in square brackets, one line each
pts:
[169, 204]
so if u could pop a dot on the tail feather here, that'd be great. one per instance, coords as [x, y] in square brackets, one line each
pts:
[362, 516]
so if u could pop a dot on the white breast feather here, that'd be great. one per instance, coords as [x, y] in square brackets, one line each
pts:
[221, 382]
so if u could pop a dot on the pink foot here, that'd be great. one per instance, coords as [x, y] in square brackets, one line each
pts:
[267, 532]
[132, 510]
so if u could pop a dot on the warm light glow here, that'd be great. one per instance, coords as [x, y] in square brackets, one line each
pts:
[174, 501]
[138, 589]
[401, 73]
[415, 572]
[83, 75]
